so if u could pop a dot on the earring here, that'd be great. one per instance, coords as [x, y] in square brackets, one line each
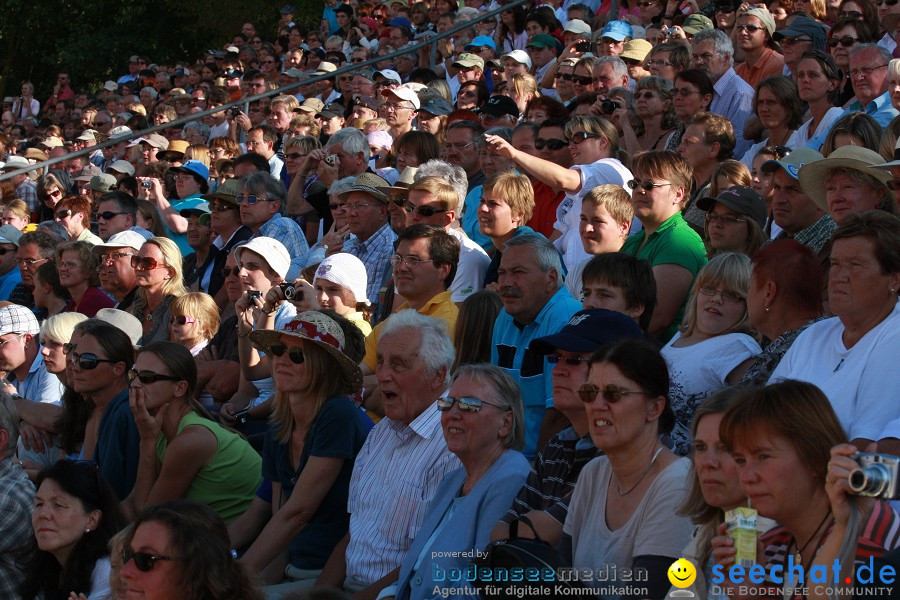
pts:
[767, 309]
[87, 529]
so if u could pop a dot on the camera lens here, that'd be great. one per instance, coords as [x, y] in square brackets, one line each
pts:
[288, 290]
[870, 480]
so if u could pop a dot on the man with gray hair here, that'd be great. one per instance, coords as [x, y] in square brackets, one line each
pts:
[609, 72]
[414, 357]
[535, 304]
[16, 501]
[713, 52]
[346, 154]
[263, 217]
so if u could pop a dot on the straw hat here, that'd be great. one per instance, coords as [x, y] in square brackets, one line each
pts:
[814, 176]
[321, 330]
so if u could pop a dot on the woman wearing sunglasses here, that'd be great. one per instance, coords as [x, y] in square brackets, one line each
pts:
[845, 35]
[316, 434]
[77, 267]
[74, 212]
[157, 269]
[183, 453]
[656, 117]
[713, 347]
[179, 550]
[193, 321]
[484, 426]
[75, 515]
[623, 509]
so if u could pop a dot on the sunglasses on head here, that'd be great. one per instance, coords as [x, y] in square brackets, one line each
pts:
[466, 404]
[181, 320]
[295, 354]
[589, 392]
[142, 560]
[148, 377]
[552, 144]
[87, 361]
[146, 263]
[108, 215]
[424, 211]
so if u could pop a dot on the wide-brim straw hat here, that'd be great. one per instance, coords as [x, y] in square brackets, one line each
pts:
[814, 176]
[321, 330]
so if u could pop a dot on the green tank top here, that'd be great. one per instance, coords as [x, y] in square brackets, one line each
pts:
[229, 481]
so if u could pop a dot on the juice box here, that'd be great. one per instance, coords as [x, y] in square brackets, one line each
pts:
[742, 527]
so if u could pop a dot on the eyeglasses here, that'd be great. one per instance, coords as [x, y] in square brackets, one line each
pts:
[552, 144]
[790, 41]
[724, 219]
[684, 92]
[580, 136]
[181, 320]
[589, 392]
[888, 2]
[727, 295]
[571, 361]
[458, 147]
[658, 63]
[646, 4]
[108, 215]
[148, 377]
[582, 81]
[865, 71]
[142, 560]
[146, 263]
[750, 28]
[466, 404]
[392, 107]
[424, 211]
[645, 185]
[845, 41]
[356, 207]
[5, 342]
[295, 354]
[646, 95]
[229, 271]
[410, 261]
[701, 59]
[63, 214]
[108, 259]
[851, 14]
[337, 207]
[250, 199]
[65, 266]
[88, 361]
[295, 156]
[51, 194]
[28, 262]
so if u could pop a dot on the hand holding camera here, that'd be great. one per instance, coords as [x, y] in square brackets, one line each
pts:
[859, 477]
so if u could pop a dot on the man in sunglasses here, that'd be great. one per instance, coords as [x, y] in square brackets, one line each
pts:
[754, 37]
[544, 498]
[116, 212]
[804, 33]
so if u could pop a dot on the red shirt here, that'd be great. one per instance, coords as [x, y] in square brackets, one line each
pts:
[545, 202]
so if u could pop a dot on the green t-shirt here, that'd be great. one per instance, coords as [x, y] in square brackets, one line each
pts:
[228, 483]
[674, 243]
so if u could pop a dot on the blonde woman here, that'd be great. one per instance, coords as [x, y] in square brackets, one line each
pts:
[193, 321]
[713, 348]
[159, 279]
[521, 88]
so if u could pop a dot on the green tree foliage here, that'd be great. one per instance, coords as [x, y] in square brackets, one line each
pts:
[92, 39]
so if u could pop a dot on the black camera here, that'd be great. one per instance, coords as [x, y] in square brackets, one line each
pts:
[608, 107]
[876, 476]
[290, 292]
[583, 47]
[251, 294]
[235, 111]
[146, 184]
[242, 416]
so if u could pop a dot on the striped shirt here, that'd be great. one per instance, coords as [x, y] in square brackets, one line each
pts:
[394, 479]
[553, 475]
[375, 254]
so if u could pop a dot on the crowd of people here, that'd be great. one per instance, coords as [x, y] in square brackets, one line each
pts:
[611, 268]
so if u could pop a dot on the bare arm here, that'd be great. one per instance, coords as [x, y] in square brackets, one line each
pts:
[554, 175]
[243, 530]
[672, 285]
[39, 414]
[156, 196]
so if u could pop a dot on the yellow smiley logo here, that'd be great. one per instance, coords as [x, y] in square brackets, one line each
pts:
[682, 573]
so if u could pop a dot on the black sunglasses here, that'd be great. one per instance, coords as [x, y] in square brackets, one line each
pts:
[466, 404]
[4, 251]
[295, 354]
[142, 560]
[87, 361]
[552, 144]
[108, 214]
[582, 80]
[229, 271]
[645, 185]
[425, 211]
[845, 41]
[148, 377]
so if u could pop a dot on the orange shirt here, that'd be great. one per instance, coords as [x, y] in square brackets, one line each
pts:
[545, 203]
[769, 64]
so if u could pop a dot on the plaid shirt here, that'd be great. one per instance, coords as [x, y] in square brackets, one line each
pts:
[27, 191]
[375, 254]
[288, 233]
[815, 236]
[16, 501]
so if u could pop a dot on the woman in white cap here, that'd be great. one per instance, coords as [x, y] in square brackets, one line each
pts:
[340, 284]
[381, 150]
[316, 434]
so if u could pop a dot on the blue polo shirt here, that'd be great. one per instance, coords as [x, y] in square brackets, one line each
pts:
[510, 351]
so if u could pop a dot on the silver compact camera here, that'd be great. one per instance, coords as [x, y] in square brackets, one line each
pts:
[877, 476]
[331, 159]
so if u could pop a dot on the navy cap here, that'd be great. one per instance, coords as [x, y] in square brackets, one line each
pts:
[497, 106]
[435, 105]
[588, 330]
[400, 22]
[804, 25]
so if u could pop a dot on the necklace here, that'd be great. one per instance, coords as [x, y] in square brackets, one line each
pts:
[650, 466]
[798, 557]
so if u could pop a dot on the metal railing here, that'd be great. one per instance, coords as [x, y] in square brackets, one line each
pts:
[430, 41]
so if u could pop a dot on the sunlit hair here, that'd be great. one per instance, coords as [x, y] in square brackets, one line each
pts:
[524, 84]
[601, 127]
[665, 90]
[513, 189]
[19, 209]
[664, 165]
[59, 328]
[728, 271]
[796, 271]
[734, 171]
[304, 143]
[199, 152]
[614, 199]
[172, 259]
[201, 307]
[716, 129]
[85, 255]
[856, 124]
[77, 204]
[435, 348]
[443, 192]
[795, 411]
[504, 391]
[421, 143]
[227, 144]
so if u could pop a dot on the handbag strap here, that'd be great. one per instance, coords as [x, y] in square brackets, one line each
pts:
[514, 528]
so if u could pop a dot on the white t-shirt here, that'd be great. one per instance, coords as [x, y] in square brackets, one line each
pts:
[568, 213]
[473, 264]
[862, 382]
[801, 136]
[697, 371]
[654, 528]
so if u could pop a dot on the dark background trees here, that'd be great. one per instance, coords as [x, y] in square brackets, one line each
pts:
[92, 39]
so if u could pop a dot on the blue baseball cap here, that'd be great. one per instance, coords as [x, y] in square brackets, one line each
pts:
[588, 330]
[479, 41]
[617, 30]
[436, 105]
[194, 167]
[400, 22]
